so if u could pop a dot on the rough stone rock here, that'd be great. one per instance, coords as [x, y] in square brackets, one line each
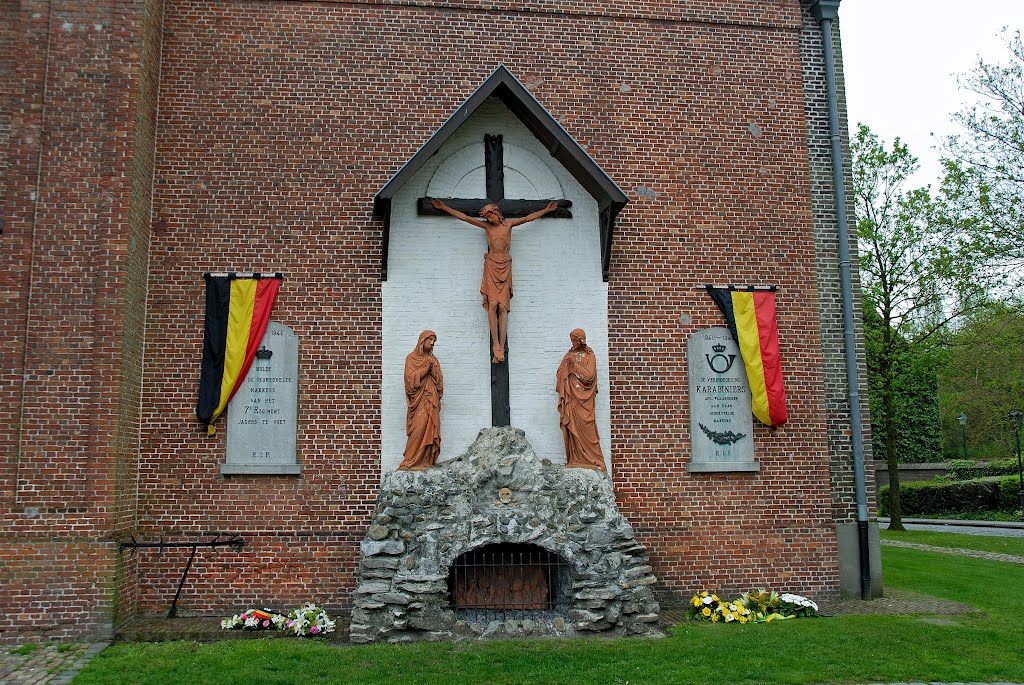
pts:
[595, 627]
[583, 617]
[377, 532]
[636, 582]
[431, 621]
[421, 588]
[371, 548]
[380, 562]
[382, 573]
[369, 587]
[638, 571]
[391, 598]
[445, 511]
[591, 604]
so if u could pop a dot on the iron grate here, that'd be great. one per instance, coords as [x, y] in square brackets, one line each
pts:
[507, 577]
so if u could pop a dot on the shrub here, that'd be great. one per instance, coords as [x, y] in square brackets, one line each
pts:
[965, 469]
[930, 497]
[1009, 492]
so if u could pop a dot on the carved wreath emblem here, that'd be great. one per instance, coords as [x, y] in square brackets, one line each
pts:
[723, 438]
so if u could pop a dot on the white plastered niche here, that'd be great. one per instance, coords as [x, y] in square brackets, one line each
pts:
[434, 270]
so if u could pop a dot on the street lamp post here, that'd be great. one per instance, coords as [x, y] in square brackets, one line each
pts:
[1017, 416]
[963, 431]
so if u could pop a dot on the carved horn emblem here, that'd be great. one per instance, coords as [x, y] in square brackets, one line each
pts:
[720, 363]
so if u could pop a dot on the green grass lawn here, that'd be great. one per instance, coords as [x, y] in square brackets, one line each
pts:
[983, 543]
[835, 650]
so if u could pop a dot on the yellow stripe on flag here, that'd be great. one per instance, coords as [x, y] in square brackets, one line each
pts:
[243, 299]
[750, 349]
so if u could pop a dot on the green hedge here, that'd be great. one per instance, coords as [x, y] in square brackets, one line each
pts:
[930, 497]
[964, 469]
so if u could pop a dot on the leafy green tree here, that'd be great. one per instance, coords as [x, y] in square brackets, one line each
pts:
[915, 389]
[983, 377]
[983, 190]
[912, 282]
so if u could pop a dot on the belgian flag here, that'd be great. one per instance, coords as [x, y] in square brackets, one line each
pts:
[237, 312]
[750, 314]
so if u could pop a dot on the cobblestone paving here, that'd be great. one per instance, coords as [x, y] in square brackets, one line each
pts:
[45, 664]
[957, 551]
[896, 602]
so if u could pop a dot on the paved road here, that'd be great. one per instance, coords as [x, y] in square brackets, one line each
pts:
[1012, 530]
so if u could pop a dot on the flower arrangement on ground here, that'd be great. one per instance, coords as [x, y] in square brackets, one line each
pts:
[705, 606]
[309, 619]
[306, 620]
[756, 606]
[255, 619]
[801, 606]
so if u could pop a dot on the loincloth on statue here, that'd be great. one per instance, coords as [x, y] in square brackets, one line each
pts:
[496, 283]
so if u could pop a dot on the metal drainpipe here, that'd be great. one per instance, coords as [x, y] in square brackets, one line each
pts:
[826, 11]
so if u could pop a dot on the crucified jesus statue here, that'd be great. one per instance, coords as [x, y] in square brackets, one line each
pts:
[496, 284]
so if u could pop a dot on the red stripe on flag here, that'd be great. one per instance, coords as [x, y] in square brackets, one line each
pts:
[768, 333]
[266, 293]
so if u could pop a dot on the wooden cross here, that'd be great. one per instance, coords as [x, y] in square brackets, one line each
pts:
[494, 168]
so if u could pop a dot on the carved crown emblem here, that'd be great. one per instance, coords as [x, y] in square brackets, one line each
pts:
[264, 353]
[719, 348]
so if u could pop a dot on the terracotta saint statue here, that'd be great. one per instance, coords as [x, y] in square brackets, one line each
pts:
[577, 388]
[423, 389]
[496, 284]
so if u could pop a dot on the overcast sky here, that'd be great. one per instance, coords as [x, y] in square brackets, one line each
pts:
[901, 58]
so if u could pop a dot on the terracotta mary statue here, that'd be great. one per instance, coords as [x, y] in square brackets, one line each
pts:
[424, 387]
[577, 388]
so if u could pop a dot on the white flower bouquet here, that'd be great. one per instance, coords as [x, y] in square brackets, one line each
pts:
[309, 620]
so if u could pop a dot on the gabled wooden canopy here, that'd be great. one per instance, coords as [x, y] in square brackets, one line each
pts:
[510, 90]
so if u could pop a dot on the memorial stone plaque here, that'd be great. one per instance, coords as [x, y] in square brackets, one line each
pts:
[721, 423]
[263, 415]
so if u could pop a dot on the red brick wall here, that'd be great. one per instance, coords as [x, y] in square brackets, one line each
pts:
[55, 590]
[72, 295]
[277, 124]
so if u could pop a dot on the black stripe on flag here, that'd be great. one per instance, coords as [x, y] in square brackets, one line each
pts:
[218, 298]
[723, 298]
